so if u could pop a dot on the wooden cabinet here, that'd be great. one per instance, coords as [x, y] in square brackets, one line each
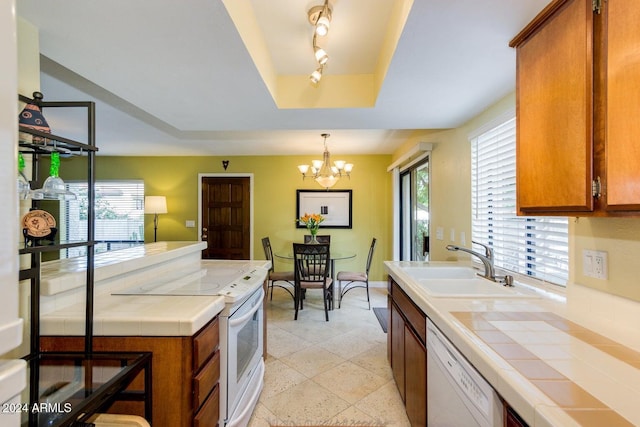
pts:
[577, 137]
[408, 353]
[185, 374]
[511, 418]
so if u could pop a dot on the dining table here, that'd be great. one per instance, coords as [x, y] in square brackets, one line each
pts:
[333, 257]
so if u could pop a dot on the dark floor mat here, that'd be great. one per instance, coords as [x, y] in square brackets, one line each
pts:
[381, 314]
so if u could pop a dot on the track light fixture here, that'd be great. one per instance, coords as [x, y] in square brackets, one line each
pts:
[320, 18]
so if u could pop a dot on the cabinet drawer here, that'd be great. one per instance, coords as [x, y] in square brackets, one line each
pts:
[410, 311]
[205, 343]
[206, 379]
[210, 413]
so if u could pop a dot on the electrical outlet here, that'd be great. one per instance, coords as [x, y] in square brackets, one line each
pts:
[463, 239]
[594, 264]
[440, 233]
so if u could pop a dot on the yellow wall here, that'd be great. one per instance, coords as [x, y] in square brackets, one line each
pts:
[451, 181]
[620, 238]
[276, 179]
[451, 210]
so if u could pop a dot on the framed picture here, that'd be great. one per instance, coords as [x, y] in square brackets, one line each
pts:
[333, 205]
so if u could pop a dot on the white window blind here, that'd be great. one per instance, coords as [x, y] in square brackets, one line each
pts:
[119, 215]
[532, 246]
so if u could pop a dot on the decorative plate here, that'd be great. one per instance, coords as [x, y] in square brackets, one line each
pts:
[38, 223]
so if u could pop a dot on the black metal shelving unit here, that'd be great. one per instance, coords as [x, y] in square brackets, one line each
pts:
[70, 403]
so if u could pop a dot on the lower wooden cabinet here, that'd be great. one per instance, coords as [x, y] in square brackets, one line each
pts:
[511, 418]
[408, 353]
[185, 373]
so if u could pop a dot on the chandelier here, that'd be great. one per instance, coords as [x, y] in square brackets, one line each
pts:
[320, 18]
[322, 171]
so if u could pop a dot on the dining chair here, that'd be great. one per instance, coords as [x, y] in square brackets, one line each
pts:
[274, 277]
[356, 279]
[311, 267]
[321, 238]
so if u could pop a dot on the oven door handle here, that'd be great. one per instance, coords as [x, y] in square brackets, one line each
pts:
[240, 320]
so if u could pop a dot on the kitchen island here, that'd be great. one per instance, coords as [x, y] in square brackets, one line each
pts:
[181, 330]
[555, 359]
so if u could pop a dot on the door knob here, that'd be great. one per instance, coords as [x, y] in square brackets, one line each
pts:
[204, 237]
[204, 228]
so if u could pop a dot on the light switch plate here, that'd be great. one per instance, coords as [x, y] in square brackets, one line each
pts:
[440, 233]
[190, 223]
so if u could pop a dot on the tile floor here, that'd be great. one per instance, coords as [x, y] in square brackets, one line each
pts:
[328, 373]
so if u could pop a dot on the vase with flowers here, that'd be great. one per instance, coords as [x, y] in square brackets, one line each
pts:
[312, 222]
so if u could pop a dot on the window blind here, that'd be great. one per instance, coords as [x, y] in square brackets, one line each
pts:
[532, 246]
[119, 215]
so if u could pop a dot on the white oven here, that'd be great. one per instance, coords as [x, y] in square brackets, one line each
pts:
[241, 345]
[241, 327]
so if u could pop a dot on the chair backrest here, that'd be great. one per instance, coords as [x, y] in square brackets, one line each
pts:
[370, 257]
[321, 238]
[268, 252]
[311, 262]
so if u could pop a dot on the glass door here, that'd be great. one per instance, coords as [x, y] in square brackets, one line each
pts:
[414, 212]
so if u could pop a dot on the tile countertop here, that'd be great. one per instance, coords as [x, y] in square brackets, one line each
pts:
[134, 315]
[69, 273]
[541, 355]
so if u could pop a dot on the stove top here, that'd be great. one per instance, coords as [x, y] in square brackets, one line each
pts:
[234, 280]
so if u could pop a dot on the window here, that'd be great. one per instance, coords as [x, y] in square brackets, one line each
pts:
[414, 206]
[119, 211]
[532, 246]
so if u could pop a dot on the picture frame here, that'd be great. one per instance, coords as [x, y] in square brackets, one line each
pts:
[334, 205]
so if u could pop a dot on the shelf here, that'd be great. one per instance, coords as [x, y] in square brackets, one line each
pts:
[50, 142]
[65, 388]
[70, 387]
[53, 246]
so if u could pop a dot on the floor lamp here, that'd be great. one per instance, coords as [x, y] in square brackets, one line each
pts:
[155, 205]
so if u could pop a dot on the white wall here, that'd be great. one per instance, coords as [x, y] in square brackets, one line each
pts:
[12, 372]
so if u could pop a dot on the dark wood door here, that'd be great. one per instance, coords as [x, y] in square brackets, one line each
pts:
[226, 208]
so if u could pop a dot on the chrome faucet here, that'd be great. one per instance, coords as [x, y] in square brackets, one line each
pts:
[487, 260]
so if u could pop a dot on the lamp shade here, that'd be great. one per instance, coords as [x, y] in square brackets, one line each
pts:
[155, 205]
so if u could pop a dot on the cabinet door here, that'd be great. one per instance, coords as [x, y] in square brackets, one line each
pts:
[554, 163]
[397, 348]
[416, 379]
[623, 105]
[512, 419]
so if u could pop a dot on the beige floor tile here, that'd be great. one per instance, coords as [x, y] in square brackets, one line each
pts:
[348, 345]
[280, 377]
[385, 405]
[375, 360]
[262, 417]
[350, 381]
[311, 361]
[353, 416]
[281, 343]
[346, 358]
[305, 404]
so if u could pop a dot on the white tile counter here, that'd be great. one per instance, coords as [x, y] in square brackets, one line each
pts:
[63, 308]
[555, 361]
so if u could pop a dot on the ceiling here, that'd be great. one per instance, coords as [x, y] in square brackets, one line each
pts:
[230, 77]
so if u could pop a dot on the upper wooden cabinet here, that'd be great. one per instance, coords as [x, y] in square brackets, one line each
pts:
[578, 133]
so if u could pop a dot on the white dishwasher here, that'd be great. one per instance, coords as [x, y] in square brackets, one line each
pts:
[457, 395]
